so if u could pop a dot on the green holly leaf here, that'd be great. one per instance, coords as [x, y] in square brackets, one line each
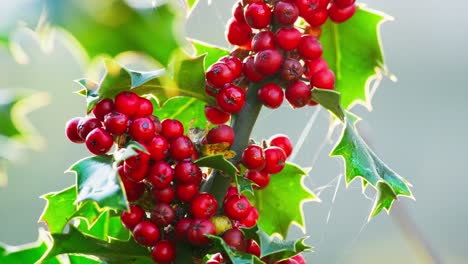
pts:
[285, 193]
[362, 162]
[114, 251]
[330, 100]
[128, 151]
[191, 4]
[106, 227]
[218, 162]
[354, 53]
[274, 248]
[187, 110]
[98, 180]
[237, 257]
[213, 53]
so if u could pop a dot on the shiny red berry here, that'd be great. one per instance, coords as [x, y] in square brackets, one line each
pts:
[165, 195]
[204, 206]
[250, 71]
[86, 125]
[324, 79]
[288, 38]
[298, 94]
[158, 148]
[221, 134]
[219, 75]
[271, 95]
[102, 108]
[237, 207]
[317, 17]
[181, 228]
[299, 259]
[253, 157]
[186, 192]
[197, 231]
[140, 159]
[162, 214]
[258, 15]
[171, 128]
[163, 252]
[145, 107]
[263, 40]
[343, 3]
[127, 103]
[340, 15]
[275, 159]
[235, 239]
[253, 248]
[132, 217]
[71, 130]
[283, 142]
[268, 61]
[238, 12]
[231, 99]
[142, 129]
[146, 233]
[291, 70]
[260, 178]
[234, 64]
[160, 175]
[187, 172]
[116, 123]
[181, 148]
[314, 66]
[309, 48]
[133, 190]
[136, 174]
[251, 218]
[157, 123]
[238, 33]
[215, 115]
[99, 141]
[286, 12]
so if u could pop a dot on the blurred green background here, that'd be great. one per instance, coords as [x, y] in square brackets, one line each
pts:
[419, 126]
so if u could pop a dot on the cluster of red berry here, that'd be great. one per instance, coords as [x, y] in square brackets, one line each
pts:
[273, 47]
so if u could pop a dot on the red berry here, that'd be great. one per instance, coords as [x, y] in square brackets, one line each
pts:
[146, 233]
[288, 38]
[249, 70]
[141, 159]
[263, 40]
[145, 107]
[251, 218]
[186, 192]
[253, 248]
[313, 66]
[86, 125]
[238, 33]
[181, 228]
[235, 239]
[232, 190]
[158, 148]
[238, 12]
[260, 178]
[271, 95]
[258, 15]
[231, 99]
[187, 172]
[165, 195]
[268, 61]
[221, 134]
[102, 108]
[275, 160]
[317, 17]
[133, 190]
[136, 174]
[307, 6]
[310, 48]
[204, 206]
[142, 129]
[171, 128]
[286, 12]
[132, 217]
[237, 207]
[160, 175]
[291, 70]
[215, 115]
[163, 252]
[287, 261]
[157, 124]
[253, 158]
[219, 75]
[299, 259]
[298, 94]
[162, 215]
[283, 142]
[116, 123]
[339, 15]
[324, 79]
[71, 130]
[234, 64]
[127, 103]
[99, 141]
[181, 148]
[197, 231]
[343, 3]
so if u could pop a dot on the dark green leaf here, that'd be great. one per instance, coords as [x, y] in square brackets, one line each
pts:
[184, 253]
[98, 180]
[213, 53]
[273, 247]
[353, 51]
[285, 193]
[112, 252]
[187, 110]
[237, 257]
[361, 161]
[217, 162]
[330, 100]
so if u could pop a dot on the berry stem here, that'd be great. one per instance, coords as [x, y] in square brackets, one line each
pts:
[242, 123]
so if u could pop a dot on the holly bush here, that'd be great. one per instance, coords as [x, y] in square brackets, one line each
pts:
[175, 174]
